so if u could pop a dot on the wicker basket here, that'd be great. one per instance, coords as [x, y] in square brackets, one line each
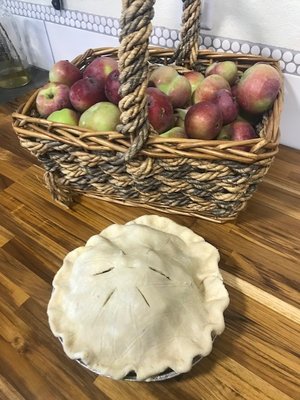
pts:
[134, 166]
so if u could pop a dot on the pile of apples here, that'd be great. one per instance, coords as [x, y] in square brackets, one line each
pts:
[220, 104]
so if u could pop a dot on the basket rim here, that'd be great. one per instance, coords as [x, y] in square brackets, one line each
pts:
[263, 147]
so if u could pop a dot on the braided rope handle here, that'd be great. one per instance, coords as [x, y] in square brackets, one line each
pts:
[133, 57]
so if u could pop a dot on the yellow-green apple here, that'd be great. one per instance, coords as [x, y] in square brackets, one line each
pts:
[225, 133]
[103, 117]
[195, 78]
[227, 69]
[174, 85]
[100, 68]
[86, 92]
[64, 72]
[208, 88]
[52, 97]
[227, 106]
[160, 110]
[203, 121]
[64, 116]
[180, 114]
[258, 88]
[176, 132]
[112, 86]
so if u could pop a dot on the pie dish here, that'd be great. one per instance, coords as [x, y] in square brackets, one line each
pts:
[139, 299]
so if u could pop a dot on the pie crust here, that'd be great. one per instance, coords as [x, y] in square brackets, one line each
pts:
[141, 297]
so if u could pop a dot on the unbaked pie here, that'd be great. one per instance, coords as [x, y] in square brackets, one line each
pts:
[139, 298]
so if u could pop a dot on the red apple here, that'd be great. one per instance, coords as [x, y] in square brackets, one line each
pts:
[227, 106]
[86, 92]
[203, 121]
[64, 72]
[100, 68]
[227, 69]
[112, 86]
[195, 78]
[52, 97]
[238, 130]
[258, 88]
[174, 85]
[102, 117]
[208, 88]
[242, 130]
[64, 116]
[160, 110]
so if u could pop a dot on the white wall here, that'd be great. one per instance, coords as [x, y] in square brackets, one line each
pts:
[275, 22]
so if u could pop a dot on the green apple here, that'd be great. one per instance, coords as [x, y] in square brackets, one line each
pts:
[176, 132]
[102, 117]
[180, 114]
[64, 116]
[171, 83]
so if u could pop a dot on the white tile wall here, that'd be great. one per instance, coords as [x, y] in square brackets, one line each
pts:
[33, 32]
[67, 42]
[290, 118]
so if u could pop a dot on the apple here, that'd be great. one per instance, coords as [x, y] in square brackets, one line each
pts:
[160, 110]
[100, 68]
[242, 130]
[112, 86]
[203, 121]
[176, 132]
[227, 69]
[86, 92]
[52, 97]
[234, 90]
[174, 85]
[208, 88]
[64, 116]
[225, 133]
[180, 114]
[238, 130]
[102, 117]
[195, 78]
[64, 72]
[227, 106]
[258, 88]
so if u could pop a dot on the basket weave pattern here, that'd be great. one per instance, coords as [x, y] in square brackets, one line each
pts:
[134, 166]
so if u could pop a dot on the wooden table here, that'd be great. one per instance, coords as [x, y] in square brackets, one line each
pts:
[255, 358]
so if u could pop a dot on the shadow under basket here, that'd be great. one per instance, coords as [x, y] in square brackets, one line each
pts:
[210, 179]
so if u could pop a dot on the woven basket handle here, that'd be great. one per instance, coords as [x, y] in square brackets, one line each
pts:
[133, 57]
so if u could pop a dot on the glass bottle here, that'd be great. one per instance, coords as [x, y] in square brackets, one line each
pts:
[14, 68]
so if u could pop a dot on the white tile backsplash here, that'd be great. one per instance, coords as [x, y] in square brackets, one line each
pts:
[290, 118]
[35, 42]
[68, 42]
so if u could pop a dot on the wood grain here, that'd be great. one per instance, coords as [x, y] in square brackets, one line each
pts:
[257, 356]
